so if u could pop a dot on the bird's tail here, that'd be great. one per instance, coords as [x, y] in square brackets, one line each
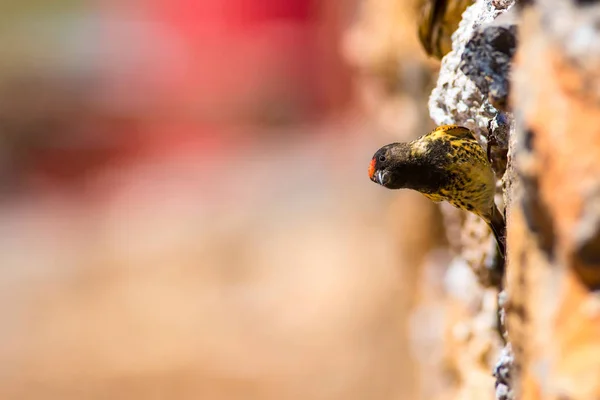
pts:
[498, 227]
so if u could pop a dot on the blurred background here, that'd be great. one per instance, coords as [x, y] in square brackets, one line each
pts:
[185, 210]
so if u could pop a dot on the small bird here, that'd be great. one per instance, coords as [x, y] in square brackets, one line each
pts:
[446, 164]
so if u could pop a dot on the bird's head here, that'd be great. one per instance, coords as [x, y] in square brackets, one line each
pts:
[390, 166]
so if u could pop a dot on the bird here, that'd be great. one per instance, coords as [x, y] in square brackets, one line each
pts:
[437, 20]
[447, 164]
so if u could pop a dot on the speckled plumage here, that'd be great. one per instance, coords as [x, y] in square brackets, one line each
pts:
[446, 164]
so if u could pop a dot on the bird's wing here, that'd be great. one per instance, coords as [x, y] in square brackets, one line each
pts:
[455, 130]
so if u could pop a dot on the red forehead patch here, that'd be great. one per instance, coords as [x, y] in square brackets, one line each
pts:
[372, 168]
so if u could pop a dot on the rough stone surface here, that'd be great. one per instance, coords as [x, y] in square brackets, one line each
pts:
[553, 270]
[497, 138]
[487, 58]
[502, 373]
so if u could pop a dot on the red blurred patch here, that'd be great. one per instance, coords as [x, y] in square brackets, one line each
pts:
[372, 168]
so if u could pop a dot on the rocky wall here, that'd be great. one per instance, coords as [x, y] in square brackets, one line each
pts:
[525, 77]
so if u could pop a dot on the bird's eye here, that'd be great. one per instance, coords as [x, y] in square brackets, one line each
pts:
[381, 158]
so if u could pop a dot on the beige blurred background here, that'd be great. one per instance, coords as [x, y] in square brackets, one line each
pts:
[184, 203]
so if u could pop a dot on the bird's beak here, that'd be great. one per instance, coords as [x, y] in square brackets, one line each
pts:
[381, 177]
